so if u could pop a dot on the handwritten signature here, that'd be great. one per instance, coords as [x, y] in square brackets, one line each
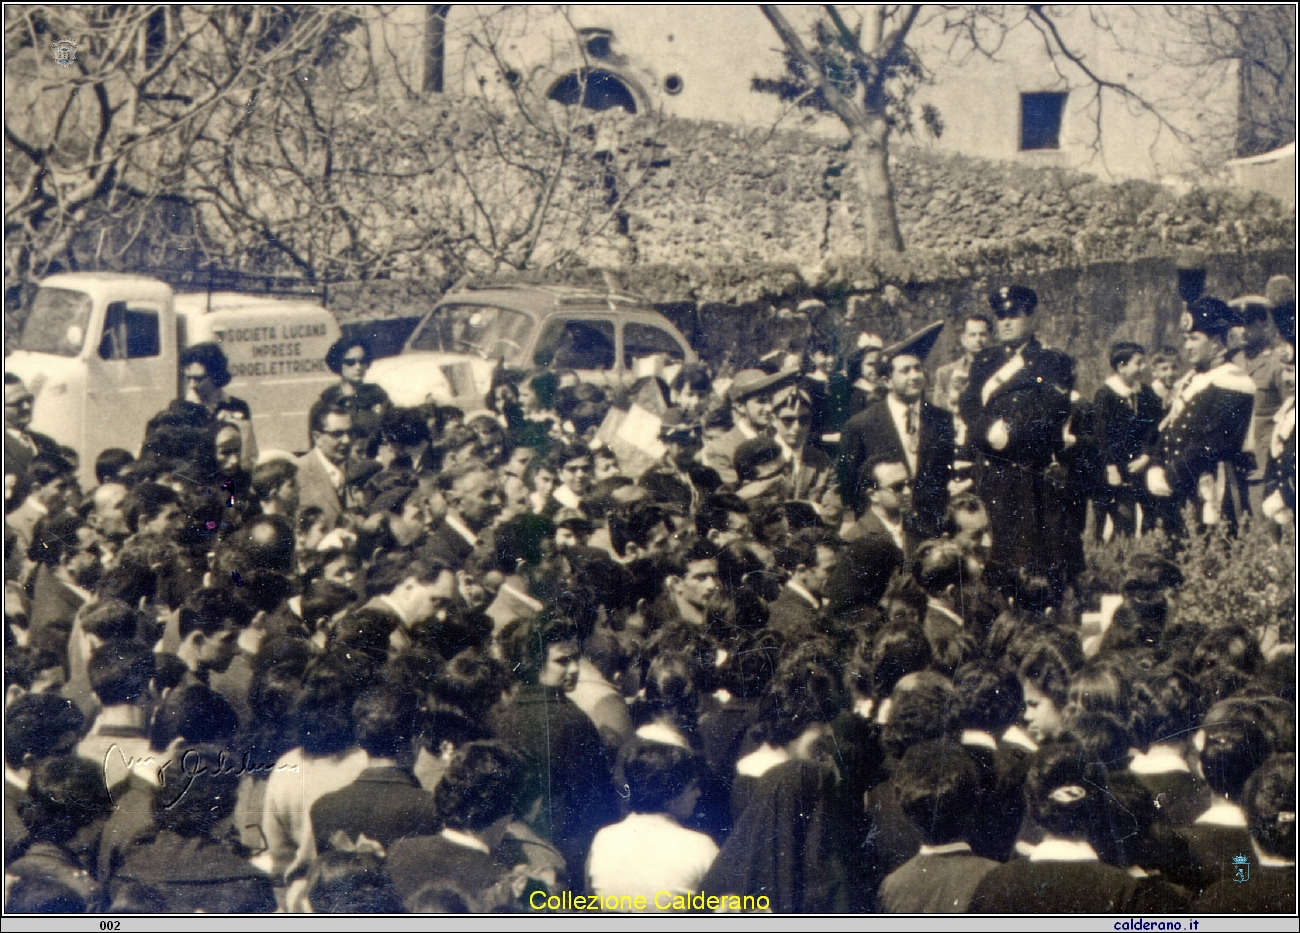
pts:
[190, 766]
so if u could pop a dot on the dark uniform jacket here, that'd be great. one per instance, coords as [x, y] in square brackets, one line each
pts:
[1206, 425]
[1034, 403]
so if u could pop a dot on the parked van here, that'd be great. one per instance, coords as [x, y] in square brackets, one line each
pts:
[100, 353]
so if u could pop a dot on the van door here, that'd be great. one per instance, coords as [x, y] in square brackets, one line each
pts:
[585, 345]
[131, 376]
[649, 351]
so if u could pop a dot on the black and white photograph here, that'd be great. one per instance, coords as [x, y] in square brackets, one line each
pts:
[650, 461]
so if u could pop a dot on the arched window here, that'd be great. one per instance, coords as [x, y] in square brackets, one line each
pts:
[594, 89]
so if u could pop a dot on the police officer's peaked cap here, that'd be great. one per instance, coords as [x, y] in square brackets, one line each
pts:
[1251, 307]
[1212, 317]
[918, 344]
[1013, 299]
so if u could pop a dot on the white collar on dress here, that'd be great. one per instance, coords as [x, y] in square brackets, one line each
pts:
[757, 763]
[1158, 759]
[978, 739]
[1017, 736]
[796, 588]
[1052, 849]
[464, 839]
[940, 608]
[1223, 813]
[664, 735]
[947, 848]
[454, 522]
[1118, 386]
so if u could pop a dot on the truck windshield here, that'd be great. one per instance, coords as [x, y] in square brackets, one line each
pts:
[485, 330]
[57, 322]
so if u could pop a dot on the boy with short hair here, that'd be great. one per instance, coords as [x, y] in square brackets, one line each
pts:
[1128, 417]
[937, 787]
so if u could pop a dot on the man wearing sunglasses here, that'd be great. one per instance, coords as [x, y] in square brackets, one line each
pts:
[811, 474]
[22, 446]
[322, 471]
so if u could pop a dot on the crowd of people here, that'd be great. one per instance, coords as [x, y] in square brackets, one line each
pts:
[816, 644]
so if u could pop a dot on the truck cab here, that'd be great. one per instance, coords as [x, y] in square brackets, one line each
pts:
[100, 352]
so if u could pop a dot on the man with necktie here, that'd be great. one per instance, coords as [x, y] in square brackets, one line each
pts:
[907, 429]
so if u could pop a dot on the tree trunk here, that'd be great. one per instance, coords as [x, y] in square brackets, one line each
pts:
[869, 152]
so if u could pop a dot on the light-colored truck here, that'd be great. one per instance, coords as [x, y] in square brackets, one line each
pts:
[100, 351]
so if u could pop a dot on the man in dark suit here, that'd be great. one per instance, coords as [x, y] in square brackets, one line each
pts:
[474, 500]
[1208, 422]
[907, 429]
[322, 471]
[889, 498]
[1015, 409]
[566, 793]
[67, 556]
[808, 558]
[476, 798]
[21, 445]
[385, 803]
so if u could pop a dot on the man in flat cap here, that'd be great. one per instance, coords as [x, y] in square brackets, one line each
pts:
[1208, 423]
[752, 394]
[1015, 407]
[907, 429]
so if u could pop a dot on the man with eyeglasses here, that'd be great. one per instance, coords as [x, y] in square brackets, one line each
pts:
[21, 445]
[811, 473]
[351, 357]
[889, 499]
[322, 471]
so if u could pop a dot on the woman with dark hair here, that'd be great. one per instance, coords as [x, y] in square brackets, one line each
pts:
[652, 849]
[1270, 796]
[351, 883]
[205, 373]
[1045, 680]
[784, 844]
[670, 704]
[1065, 791]
[566, 793]
[863, 385]
[350, 358]
[476, 800]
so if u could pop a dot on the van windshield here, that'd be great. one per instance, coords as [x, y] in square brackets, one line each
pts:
[487, 331]
[57, 322]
